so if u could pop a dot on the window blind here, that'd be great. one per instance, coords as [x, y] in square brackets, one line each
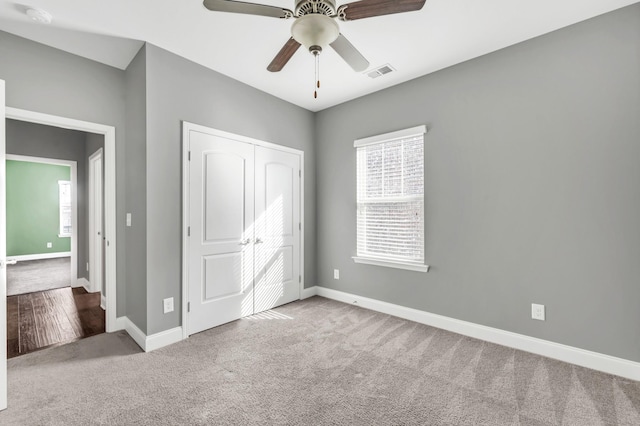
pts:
[64, 198]
[390, 197]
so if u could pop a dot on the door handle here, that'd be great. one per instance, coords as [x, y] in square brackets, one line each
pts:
[245, 241]
[258, 241]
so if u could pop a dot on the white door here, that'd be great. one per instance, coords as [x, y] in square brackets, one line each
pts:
[277, 230]
[3, 257]
[220, 259]
[95, 221]
[243, 204]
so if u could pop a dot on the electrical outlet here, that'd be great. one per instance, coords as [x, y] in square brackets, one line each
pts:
[128, 219]
[336, 274]
[49, 245]
[168, 305]
[87, 266]
[537, 312]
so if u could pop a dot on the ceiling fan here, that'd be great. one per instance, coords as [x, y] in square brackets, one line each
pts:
[315, 26]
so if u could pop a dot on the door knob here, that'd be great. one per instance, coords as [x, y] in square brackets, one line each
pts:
[258, 241]
[245, 241]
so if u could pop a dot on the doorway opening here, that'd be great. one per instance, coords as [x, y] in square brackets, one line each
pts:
[83, 292]
[51, 300]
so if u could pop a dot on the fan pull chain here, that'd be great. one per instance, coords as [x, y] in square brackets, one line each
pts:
[315, 50]
[317, 79]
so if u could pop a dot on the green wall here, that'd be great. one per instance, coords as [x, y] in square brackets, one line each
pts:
[32, 208]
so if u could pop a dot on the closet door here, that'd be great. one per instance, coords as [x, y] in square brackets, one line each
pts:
[221, 209]
[277, 228]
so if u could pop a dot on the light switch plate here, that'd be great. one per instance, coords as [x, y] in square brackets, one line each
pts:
[128, 219]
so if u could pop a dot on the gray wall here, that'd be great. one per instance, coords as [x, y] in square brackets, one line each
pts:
[39, 78]
[531, 187]
[211, 99]
[531, 176]
[136, 173]
[36, 140]
[149, 100]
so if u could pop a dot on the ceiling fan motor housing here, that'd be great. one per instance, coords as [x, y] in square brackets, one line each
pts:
[310, 7]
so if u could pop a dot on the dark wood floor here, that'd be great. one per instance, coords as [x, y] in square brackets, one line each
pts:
[50, 318]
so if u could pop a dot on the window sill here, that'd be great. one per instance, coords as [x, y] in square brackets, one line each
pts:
[390, 264]
[64, 235]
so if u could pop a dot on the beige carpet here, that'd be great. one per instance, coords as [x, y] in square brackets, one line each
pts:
[314, 362]
[38, 275]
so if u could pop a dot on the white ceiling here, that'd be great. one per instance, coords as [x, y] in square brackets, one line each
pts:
[443, 33]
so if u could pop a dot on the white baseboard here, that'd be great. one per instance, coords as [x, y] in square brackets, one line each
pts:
[83, 282]
[121, 324]
[594, 360]
[103, 302]
[40, 256]
[149, 343]
[308, 292]
[164, 338]
[136, 334]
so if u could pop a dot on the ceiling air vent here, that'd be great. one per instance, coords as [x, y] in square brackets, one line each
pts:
[384, 69]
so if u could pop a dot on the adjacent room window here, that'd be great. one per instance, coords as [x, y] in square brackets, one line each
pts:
[64, 197]
[390, 199]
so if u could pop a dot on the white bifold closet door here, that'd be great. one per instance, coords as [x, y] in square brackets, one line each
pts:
[244, 219]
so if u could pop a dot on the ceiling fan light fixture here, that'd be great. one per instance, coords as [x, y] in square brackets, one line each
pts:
[315, 30]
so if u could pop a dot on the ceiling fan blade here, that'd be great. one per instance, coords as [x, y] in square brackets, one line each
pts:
[247, 8]
[350, 54]
[369, 8]
[283, 56]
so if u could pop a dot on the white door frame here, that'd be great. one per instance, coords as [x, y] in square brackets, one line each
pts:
[186, 128]
[74, 207]
[109, 133]
[95, 229]
[3, 253]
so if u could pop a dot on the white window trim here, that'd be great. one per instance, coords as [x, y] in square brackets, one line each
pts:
[378, 139]
[419, 267]
[400, 134]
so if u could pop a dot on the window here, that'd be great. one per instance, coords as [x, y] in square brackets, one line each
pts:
[390, 199]
[64, 198]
